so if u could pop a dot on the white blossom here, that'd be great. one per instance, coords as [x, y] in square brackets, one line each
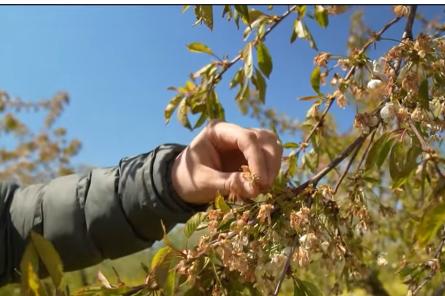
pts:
[378, 66]
[374, 83]
[387, 113]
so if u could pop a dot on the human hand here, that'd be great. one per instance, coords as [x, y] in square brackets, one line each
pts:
[213, 160]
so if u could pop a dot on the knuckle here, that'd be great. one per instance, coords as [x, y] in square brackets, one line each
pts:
[252, 137]
[267, 135]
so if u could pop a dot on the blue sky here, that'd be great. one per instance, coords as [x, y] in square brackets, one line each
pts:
[116, 63]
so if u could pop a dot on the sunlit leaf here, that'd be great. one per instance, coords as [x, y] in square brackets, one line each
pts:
[264, 59]
[104, 280]
[170, 283]
[199, 47]
[171, 107]
[247, 58]
[243, 11]
[432, 220]
[221, 204]
[315, 79]
[309, 98]
[321, 16]
[260, 84]
[49, 256]
[185, 8]
[160, 257]
[291, 145]
[300, 30]
[29, 267]
[193, 223]
[182, 114]
[237, 79]
[205, 13]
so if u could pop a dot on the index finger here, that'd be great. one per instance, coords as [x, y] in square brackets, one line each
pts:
[227, 136]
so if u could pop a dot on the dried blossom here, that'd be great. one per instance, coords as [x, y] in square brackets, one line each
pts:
[401, 10]
[264, 213]
[322, 59]
[299, 219]
[340, 99]
[301, 257]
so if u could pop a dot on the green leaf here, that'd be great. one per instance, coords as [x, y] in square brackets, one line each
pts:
[185, 8]
[237, 79]
[161, 257]
[221, 204]
[243, 11]
[29, 267]
[395, 162]
[264, 59]
[171, 108]
[309, 98]
[247, 57]
[260, 84]
[297, 31]
[182, 114]
[432, 220]
[206, 14]
[321, 16]
[403, 162]
[374, 151]
[227, 10]
[170, 283]
[193, 223]
[315, 79]
[50, 258]
[201, 120]
[291, 145]
[199, 47]
[310, 38]
[300, 30]
[305, 288]
[384, 151]
[423, 94]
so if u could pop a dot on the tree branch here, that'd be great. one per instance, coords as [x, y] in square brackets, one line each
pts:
[408, 34]
[346, 152]
[351, 71]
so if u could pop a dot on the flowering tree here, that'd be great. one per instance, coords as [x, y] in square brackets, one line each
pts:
[31, 154]
[346, 208]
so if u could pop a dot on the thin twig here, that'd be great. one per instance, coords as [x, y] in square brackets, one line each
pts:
[437, 254]
[366, 150]
[286, 266]
[354, 155]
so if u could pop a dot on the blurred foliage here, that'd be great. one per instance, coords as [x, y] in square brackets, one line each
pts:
[29, 153]
[356, 213]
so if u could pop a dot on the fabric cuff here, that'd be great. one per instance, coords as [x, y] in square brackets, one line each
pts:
[175, 206]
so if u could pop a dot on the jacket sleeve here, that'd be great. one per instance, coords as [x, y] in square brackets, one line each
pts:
[108, 213]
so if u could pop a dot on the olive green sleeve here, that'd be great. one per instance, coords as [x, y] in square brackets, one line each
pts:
[108, 213]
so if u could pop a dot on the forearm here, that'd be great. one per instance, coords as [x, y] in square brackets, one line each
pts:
[107, 213]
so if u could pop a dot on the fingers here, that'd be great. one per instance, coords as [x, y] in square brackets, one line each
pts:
[273, 151]
[227, 136]
[231, 183]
